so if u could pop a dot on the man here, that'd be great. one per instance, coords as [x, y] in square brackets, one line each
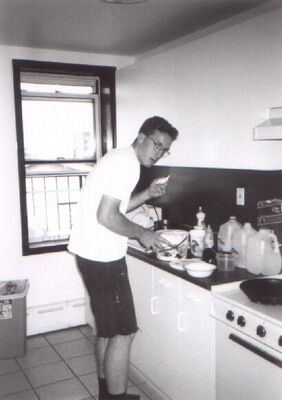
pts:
[99, 241]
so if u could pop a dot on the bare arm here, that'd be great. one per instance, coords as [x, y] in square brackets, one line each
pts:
[108, 215]
[156, 189]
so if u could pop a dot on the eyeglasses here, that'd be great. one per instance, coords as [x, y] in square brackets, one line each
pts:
[158, 147]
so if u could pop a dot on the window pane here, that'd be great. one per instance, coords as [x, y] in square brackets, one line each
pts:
[52, 191]
[46, 88]
[65, 127]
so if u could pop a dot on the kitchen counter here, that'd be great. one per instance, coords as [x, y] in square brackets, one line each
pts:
[217, 278]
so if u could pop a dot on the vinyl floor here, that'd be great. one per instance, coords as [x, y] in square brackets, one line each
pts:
[57, 366]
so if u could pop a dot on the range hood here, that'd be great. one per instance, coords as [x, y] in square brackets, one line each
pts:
[271, 129]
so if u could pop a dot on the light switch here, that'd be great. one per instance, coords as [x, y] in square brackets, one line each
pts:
[240, 196]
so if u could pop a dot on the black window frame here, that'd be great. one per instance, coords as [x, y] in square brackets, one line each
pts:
[106, 76]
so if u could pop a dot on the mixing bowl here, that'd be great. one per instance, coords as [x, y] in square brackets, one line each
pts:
[178, 244]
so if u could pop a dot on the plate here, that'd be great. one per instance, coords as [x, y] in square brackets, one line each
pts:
[177, 264]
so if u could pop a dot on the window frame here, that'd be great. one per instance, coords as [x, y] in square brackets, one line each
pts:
[106, 76]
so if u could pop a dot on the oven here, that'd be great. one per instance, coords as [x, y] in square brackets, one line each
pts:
[248, 346]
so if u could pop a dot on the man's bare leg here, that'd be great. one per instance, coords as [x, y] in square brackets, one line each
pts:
[116, 363]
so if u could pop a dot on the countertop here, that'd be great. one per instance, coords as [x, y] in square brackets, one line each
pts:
[217, 277]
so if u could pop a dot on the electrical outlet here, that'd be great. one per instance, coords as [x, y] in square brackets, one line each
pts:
[240, 196]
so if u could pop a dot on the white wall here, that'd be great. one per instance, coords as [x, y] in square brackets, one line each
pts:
[53, 277]
[215, 90]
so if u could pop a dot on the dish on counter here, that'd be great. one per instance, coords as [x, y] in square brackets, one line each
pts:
[177, 264]
[180, 263]
[199, 269]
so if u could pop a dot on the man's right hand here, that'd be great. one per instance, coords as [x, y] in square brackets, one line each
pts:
[153, 240]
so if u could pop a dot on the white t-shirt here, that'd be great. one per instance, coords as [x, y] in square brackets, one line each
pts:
[115, 175]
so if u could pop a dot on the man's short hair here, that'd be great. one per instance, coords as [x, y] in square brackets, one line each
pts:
[152, 124]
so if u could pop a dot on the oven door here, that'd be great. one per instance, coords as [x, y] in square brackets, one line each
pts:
[245, 369]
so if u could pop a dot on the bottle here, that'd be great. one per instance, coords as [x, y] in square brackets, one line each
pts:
[201, 218]
[208, 240]
[209, 253]
[239, 243]
[225, 234]
[197, 236]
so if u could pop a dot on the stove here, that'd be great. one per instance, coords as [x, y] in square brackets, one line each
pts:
[248, 345]
[262, 322]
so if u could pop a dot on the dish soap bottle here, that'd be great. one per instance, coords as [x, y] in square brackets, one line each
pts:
[209, 254]
[209, 241]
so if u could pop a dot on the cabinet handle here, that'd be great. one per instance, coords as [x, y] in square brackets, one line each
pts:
[164, 283]
[153, 305]
[82, 304]
[193, 298]
[49, 310]
[180, 328]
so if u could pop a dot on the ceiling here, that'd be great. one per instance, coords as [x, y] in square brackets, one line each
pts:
[118, 29]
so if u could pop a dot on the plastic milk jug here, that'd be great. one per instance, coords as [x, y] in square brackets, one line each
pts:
[225, 234]
[239, 243]
[262, 253]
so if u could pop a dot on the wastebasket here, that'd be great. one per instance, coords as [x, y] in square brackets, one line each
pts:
[13, 318]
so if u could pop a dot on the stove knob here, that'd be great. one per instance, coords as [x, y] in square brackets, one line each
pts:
[261, 332]
[280, 341]
[230, 315]
[241, 321]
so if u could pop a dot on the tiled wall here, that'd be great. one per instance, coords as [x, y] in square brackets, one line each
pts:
[213, 189]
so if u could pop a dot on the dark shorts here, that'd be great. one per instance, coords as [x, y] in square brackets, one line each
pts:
[110, 296]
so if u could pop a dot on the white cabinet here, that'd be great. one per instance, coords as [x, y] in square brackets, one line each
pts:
[56, 316]
[197, 343]
[146, 305]
[174, 347]
[46, 318]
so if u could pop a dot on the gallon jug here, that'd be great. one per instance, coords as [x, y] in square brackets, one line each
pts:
[225, 234]
[262, 253]
[239, 243]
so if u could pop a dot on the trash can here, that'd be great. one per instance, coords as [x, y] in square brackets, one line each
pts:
[13, 318]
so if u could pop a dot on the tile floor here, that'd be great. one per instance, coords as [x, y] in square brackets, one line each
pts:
[56, 366]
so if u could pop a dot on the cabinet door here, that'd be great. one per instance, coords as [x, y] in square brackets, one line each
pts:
[146, 305]
[167, 350]
[197, 344]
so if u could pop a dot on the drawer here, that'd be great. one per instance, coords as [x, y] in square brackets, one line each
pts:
[46, 318]
[76, 312]
[166, 284]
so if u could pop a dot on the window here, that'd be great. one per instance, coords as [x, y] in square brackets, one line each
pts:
[65, 116]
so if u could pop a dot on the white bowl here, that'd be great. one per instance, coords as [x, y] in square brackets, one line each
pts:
[199, 269]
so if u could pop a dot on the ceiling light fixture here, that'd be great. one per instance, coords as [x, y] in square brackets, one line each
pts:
[123, 1]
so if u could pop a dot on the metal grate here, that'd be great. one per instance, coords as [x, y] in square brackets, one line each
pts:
[51, 203]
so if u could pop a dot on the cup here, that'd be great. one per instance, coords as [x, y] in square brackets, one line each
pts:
[226, 261]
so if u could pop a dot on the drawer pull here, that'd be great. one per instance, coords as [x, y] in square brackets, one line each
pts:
[50, 310]
[78, 305]
[153, 305]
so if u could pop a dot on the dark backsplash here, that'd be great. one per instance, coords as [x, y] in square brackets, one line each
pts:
[215, 190]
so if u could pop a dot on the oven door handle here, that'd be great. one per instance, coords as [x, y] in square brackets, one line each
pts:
[255, 350]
